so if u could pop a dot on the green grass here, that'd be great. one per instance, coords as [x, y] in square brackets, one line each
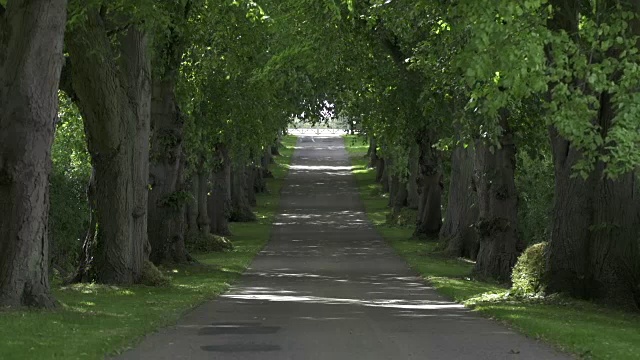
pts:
[96, 320]
[578, 327]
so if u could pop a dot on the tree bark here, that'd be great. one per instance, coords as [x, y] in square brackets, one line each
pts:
[219, 201]
[240, 207]
[413, 198]
[31, 44]
[275, 147]
[594, 250]
[458, 230]
[113, 90]
[497, 224]
[203, 196]
[252, 184]
[259, 182]
[380, 169]
[430, 206]
[265, 161]
[167, 197]
[394, 187]
[400, 199]
[391, 184]
[384, 180]
[373, 152]
[192, 205]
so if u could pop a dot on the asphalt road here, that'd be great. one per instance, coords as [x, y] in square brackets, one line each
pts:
[328, 287]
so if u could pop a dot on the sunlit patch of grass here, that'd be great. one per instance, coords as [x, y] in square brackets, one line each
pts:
[95, 320]
[582, 328]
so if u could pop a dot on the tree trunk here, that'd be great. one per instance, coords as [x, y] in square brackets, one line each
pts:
[380, 169]
[413, 198]
[390, 182]
[372, 152]
[594, 251]
[137, 63]
[462, 212]
[191, 214]
[240, 208]
[259, 182]
[113, 92]
[400, 199]
[219, 201]
[203, 196]
[277, 144]
[31, 43]
[497, 223]
[265, 161]
[384, 180]
[167, 197]
[253, 184]
[430, 205]
[85, 261]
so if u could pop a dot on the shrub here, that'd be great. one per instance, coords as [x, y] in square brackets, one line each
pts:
[404, 218]
[152, 276]
[529, 273]
[199, 242]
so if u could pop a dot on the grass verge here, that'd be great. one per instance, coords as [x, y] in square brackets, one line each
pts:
[578, 327]
[96, 320]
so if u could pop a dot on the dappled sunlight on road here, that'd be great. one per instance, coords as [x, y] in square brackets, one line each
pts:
[265, 294]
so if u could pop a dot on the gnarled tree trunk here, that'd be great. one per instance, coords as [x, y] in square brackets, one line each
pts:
[31, 42]
[167, 197]
[113, 93]
[497, 222]
[430, 205]
[458, 230]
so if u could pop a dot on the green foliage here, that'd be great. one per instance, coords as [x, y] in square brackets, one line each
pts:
[176, 200]
[528, 277]
[69, 210]
[535, 184]
[404, 218]
[200, 242]
[152, 276]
